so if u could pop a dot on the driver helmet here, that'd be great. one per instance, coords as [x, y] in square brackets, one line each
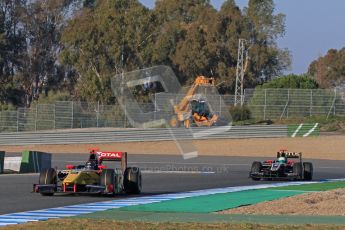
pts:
[89, 165]
[281, 160]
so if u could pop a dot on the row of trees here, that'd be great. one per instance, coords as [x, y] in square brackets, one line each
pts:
[30, 45]
[329, 70]
[190, 36]
[291, 81]
[78, 45]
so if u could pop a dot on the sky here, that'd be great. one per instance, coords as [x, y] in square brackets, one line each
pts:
[312, 28]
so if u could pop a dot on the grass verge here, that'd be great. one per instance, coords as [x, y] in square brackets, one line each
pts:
[330, 124]
[313, 187]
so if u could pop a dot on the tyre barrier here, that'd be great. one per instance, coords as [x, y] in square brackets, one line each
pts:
[2, 158]
[34, 162]
[29, 162]
[12, 164]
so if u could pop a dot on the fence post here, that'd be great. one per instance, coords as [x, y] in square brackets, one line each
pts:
[125, 120]
[18, 120]
[97, 114]
[287, 109]
[265, 104]
[333, 104]
[335, 99]
[54, 116]
[154, 114]
[220, 105]
[36, 119]
[72, 116]
[311, 103]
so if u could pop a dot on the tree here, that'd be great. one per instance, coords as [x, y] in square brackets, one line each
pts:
[199, 40]
[43, 22]
[196, 53]
[266, 59]
[291, 81]
[179, 35]
[231, 27]
[12, 45]
[109, 38]
[195, 39]
[329, 70]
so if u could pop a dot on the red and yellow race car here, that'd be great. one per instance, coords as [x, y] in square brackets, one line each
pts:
[93, 177]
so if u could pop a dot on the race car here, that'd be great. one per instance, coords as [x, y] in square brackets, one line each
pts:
[284, 167]
[93, 177]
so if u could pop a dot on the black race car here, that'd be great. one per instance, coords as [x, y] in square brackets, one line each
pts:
[287, 166]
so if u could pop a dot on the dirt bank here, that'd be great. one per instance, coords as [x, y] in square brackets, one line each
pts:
[316, 203]
[323, 147]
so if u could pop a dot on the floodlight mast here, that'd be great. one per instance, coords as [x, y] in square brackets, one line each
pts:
[242, 61]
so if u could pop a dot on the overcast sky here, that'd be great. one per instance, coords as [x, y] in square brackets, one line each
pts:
[312, 27]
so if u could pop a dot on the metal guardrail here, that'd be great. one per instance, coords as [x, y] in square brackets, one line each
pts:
[135, 135]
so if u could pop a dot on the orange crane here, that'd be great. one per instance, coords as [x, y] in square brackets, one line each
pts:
[191, 109]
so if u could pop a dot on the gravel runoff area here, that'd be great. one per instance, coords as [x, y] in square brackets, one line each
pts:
[323, 147]
[77, 224]
[327, 203]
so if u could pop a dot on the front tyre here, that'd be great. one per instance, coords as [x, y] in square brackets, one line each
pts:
[255, 169]
[47, 176]
[297, 170]
[132, 180]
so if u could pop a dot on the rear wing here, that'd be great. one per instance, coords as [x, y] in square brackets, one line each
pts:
[109, 156]
[113, 156]
[289, 154]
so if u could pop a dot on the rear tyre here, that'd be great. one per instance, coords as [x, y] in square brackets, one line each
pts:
[297, 169]
[132, 180]
[107, 179]
[308, 170]
[47, 176]
[256, 168]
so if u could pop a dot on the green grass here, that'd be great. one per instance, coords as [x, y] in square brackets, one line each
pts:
[330, 124]
[314, 187]
[326, 125]
[213, 203]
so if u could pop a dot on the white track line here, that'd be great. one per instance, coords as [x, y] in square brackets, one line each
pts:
[297, 130]
[176, 172]
[311, 130]
[18, 174]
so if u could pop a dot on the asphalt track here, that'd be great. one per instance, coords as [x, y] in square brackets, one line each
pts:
[161, 174]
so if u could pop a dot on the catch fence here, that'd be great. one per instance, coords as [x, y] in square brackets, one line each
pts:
[264, 104]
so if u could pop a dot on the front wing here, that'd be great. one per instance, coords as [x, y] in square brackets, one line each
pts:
[88, 189]
[271, 175]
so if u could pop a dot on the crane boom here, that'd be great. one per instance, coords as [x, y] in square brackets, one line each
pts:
[183, 110]
[199, 81]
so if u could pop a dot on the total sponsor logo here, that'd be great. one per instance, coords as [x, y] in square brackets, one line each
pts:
[109, 155]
